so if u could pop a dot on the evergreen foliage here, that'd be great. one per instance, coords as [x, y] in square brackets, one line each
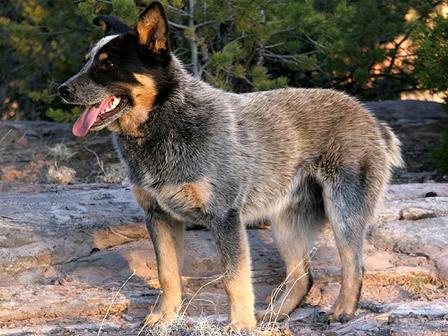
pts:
[238, 45]
[431, 65]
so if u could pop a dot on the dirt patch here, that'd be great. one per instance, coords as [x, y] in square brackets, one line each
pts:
[45, 152]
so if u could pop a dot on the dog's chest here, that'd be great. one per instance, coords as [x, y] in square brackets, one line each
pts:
[182, 201]
[154, 175]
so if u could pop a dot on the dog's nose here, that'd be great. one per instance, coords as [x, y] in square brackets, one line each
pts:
[65, 91]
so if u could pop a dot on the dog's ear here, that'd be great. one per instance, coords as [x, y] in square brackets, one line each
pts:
[111, 25]
[152, 28]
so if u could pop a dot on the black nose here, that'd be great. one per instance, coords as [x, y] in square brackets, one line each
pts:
[65, 91]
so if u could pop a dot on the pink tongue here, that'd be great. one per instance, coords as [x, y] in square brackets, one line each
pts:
[88, 118]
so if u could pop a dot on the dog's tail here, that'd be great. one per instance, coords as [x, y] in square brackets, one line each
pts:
[393, 144]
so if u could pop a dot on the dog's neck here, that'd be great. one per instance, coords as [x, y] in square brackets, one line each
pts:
[175, 118]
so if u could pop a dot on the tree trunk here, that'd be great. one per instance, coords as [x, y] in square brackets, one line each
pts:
[193, 40]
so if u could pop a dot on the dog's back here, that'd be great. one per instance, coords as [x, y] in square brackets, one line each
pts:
[290, 132]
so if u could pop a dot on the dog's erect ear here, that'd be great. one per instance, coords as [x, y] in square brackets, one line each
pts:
[152, 28]
[111, 25]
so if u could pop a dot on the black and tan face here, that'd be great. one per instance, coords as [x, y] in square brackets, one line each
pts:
[124, 74]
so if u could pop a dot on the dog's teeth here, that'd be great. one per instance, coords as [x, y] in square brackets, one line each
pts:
[112, 105]
[115, 102]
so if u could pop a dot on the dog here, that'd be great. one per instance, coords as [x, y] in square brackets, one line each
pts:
[198, 155]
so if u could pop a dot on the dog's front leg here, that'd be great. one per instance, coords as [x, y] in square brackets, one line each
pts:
[233, 247]
[167, 237]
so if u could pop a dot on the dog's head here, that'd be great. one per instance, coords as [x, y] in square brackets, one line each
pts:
[125, 74]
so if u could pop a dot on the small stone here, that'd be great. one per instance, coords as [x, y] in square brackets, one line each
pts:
[414, 213]
[442, 268]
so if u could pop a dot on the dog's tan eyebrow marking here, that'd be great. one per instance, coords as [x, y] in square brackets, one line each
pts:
[92, 53]
[103, 56]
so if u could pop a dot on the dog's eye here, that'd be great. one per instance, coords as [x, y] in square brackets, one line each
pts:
[109, 65]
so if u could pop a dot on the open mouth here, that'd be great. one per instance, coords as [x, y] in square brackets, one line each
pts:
[100, 114]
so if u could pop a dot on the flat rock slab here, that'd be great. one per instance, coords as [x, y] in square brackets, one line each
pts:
[416, 190]
[50, 301]
[67, 251]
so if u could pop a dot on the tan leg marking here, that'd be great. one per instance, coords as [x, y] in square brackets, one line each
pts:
[142, 197]
[169, 260]
[240, 292]
[168, 245]
[293, 242]
[294, 290]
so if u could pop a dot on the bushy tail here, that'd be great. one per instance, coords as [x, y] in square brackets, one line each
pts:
[393, 146]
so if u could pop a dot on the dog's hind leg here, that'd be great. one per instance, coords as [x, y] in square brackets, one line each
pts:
[350, 200]
[294, 231]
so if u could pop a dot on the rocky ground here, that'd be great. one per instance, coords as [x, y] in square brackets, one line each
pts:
[75, 259]
[73, 255]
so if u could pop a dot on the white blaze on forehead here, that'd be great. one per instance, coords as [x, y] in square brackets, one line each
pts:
[101, 43]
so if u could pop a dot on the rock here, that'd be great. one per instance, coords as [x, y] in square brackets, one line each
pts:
[433, 309]
[28, 148]
[405, 318]
[23, 302]
[66, 250]
[427, 237]
[414, 213]
[43, 229]
[419, 125]
[418, 326]
[441, 264]
[426, 207]
[79, 327]
[412, 191]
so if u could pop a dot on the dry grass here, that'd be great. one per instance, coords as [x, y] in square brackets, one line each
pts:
[198, 326]
[112, 173]
[60, 174]
[205, 326]
[113, 301]
[60, 152]
[5, 136]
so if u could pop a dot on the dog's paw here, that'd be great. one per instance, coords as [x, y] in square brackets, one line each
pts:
[165, 318]
[239, 326]
[340, 313]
